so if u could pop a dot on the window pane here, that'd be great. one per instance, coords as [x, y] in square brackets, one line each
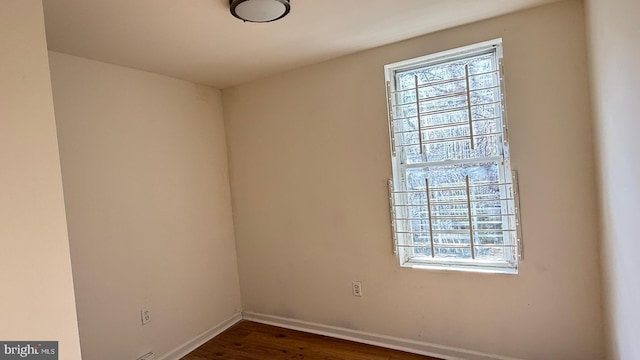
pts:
[444, 118]
[450, 210]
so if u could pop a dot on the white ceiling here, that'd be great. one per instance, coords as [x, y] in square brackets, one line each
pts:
[200, 41]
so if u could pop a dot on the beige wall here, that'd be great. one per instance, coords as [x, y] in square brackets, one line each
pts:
[144, 164]
[309, 161]
[615, 50]
[36, 296]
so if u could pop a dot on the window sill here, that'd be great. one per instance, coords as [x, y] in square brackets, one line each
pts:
[460, 268]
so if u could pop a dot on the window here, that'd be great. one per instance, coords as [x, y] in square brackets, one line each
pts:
[453, 196]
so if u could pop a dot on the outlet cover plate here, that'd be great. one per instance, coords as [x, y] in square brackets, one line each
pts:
[356, 286]
[145, 315]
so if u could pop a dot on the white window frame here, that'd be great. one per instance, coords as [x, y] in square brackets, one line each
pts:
[511, 229]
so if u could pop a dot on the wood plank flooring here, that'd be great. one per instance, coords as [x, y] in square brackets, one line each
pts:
[252, 341]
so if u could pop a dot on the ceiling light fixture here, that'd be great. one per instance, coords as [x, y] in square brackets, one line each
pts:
[260, 10]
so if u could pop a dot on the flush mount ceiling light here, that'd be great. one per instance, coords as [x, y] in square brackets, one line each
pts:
[260, 10]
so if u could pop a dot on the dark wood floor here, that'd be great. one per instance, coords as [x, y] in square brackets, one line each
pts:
[252, 341]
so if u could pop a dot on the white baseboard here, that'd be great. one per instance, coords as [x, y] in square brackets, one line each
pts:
[182, 350]
[416, 347]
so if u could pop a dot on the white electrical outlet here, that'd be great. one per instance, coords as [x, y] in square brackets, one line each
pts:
[356, 286]
[145, 315]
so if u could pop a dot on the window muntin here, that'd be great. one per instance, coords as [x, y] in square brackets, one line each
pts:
[453, 198]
